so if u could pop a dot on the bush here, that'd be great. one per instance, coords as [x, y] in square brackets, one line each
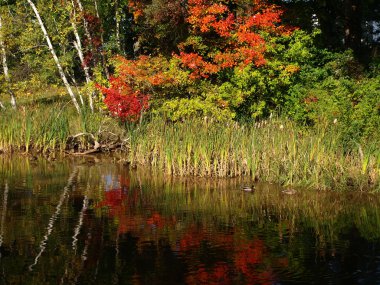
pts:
[337, 92]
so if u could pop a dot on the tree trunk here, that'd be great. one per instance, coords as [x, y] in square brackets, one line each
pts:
[117, 18]
[330, 19]
[78, 47]
[5, 68]
[352, 25]
[85, 24]
[102, 54]
[51, 48]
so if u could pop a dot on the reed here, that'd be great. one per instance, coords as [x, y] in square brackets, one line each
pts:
[276, 151]
[46, 128]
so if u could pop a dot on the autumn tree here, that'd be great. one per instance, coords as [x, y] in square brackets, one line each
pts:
[222, 36]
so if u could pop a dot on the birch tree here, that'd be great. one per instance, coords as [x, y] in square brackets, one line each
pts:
[55, 57]
[117, 18]
[85, 23]
[78, 47]
[5, 67]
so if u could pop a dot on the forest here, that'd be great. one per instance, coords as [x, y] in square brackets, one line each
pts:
[281, 90]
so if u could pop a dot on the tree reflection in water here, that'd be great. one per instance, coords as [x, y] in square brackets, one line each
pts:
[113, 226]
[237, 259]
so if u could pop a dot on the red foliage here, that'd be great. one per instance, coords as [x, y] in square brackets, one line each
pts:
[92, 47]
[220, 38]
[125, 96]
[136, 8]
[199, 67]
[122, 101]
[233, 39]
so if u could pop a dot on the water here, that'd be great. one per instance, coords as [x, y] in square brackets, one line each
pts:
[92, 221]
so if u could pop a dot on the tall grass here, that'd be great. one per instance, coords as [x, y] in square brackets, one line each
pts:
[47, 127]
[274, 150]
[43, 129]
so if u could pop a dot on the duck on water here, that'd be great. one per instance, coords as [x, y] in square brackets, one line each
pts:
[251, 188]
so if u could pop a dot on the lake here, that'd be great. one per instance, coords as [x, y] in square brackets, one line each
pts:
[95, 221]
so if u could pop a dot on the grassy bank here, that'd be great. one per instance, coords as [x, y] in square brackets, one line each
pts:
[56, 126]
[274, 150]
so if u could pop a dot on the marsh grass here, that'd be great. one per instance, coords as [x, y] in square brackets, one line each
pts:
[46, 126]
[41, 129]
[276, 151]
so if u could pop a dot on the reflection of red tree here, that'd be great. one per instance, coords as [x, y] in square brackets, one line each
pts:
[115, 201]
[249, 260]
[243, 261]
[218, 274]
[119, 201]
[249, 255]
[194, 235]
[191, 239]
[124, 181]
[156, 220]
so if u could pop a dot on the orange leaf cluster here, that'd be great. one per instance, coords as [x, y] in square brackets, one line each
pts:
[136, 8]
[231, 40]
[199, 67]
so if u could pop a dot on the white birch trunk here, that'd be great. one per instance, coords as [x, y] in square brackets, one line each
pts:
[78, 47]
[5, 68]
[85, 24]
[51, 48]
[117, 18]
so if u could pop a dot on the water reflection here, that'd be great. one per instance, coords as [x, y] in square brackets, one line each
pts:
[95, 222]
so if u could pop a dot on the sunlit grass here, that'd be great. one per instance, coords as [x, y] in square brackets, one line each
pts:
[46, 127]
[276, 151]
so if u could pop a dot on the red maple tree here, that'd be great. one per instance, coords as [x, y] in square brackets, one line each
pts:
[224, 38]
